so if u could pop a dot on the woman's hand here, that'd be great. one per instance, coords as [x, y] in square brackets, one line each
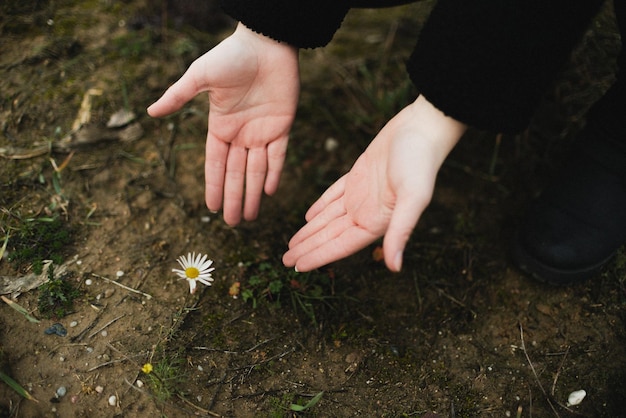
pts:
[384, 193]
[253, 86]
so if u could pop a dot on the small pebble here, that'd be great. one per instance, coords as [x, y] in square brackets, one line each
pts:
[139, 383]
[99, 389]
[61, 359]
[119, 273]
[106, 357]
[61, 391]
[89, 349]
[104, 333]
[576, 397]
[88, 282]
[57, 329]
[73, 324]
[200, 368]
[112, 400]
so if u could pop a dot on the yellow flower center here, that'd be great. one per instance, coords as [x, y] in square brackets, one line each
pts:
[192, 272]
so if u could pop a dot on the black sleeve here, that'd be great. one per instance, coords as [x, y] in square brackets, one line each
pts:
[301, 23]
[488, 63]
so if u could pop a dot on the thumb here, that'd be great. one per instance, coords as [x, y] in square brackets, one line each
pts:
[179, 93]
[406, 213]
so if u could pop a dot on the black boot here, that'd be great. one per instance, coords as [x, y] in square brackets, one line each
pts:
[579, 221]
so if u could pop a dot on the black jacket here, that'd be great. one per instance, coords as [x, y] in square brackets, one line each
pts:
[486, 63]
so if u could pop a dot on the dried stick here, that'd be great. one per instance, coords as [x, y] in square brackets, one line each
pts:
[122, 286]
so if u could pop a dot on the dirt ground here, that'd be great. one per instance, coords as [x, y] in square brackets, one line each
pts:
[459, 333]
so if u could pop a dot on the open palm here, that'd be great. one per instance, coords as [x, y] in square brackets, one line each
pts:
[253, 86]
[384, 193]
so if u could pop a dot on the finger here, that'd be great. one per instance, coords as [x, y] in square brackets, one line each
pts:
[348, 242]
[276, 151]
[214, 171]
[333, 211]
[328, 232]
[179, 93]
[234, 184]
[334, 192]
[255, 178]
[406, 214]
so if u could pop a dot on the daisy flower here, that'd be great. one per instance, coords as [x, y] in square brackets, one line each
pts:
[196, 268]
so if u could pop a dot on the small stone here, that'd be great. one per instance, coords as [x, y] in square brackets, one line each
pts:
[119, 273]
[61, 359]
[331, 144]
[576, 397]
[104, 333]
[57, 329]
[88, 282]
[139, 383]
[112, 400]
[121, 118]
[89, 350]
[109, 292]
[99, 389]
[61, 391]
[73, 324]
[106, 357]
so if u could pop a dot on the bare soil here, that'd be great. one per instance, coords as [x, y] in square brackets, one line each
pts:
[459, 333]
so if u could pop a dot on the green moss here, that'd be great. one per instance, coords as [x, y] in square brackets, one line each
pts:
[38, 240]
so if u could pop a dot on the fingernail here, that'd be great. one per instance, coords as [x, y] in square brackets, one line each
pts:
[296, 269]
[397, 262]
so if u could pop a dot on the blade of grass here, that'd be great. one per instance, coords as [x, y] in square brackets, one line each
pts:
[300, 408]
[4, 246]
[16, 387]
[18, 308]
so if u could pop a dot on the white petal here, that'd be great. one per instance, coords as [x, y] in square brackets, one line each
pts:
[192, 286]
[206, 282]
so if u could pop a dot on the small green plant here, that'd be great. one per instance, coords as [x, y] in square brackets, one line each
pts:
[37, 240]
[272, 283]
[56, 296]
[310, 404]
[164, 377]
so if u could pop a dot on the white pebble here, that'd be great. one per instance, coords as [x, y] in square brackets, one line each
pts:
[200, 368]
[576, 397]
[139, 383]
[119, 273]
[205, 219]
[73, 324]
[104, 333]
[79, 262]
[61, 391]
[88, 282]
[331, 144]
[99, 389]
[112, 400]
[61, 358]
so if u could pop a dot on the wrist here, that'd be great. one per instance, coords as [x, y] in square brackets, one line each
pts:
[264, 39]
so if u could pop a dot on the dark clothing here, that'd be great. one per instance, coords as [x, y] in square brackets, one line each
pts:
[486, 63]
